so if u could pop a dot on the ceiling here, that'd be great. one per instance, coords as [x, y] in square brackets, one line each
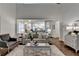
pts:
[66, 12]
[40, 11]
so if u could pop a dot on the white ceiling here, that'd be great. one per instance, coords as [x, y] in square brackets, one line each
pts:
[38, 11]
[65, 11]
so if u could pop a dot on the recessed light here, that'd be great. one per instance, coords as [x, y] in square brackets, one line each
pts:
[58, 3]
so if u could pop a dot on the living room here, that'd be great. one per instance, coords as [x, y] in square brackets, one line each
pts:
[45, 27]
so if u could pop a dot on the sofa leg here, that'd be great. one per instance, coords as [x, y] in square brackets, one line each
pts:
[8, 50]
[17, 44]
[76, 51]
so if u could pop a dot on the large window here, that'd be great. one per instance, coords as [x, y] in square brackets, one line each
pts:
[20, 26]
[24, 25]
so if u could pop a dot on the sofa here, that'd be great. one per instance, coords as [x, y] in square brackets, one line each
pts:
[7, 42]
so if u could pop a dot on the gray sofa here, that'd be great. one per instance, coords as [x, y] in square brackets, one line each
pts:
[7, 42]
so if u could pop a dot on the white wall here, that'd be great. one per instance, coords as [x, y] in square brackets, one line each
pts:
[56, 32]
[70, 13]
[8, 17]
[0, 24]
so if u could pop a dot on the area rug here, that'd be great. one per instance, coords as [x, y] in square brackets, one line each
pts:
[18, 51]
[37, 51]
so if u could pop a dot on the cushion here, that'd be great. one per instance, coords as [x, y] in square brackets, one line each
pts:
[11, 43]
[5, 37]
[0, 39]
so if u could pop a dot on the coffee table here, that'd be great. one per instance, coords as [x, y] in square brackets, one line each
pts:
[43, 49]
[39, 44]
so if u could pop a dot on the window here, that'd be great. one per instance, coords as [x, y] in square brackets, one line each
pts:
[20, 26]
[39, 26]
[24, 25]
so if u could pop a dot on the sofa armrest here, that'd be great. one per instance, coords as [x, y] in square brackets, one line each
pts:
[3, 44]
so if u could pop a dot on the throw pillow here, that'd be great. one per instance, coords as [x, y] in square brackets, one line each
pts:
[0, 39]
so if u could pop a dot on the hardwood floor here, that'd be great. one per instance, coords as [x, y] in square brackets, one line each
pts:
[68, 51]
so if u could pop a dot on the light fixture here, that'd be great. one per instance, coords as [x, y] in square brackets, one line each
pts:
[58, 3]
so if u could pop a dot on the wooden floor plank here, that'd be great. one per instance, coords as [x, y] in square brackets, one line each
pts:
[68, 51]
